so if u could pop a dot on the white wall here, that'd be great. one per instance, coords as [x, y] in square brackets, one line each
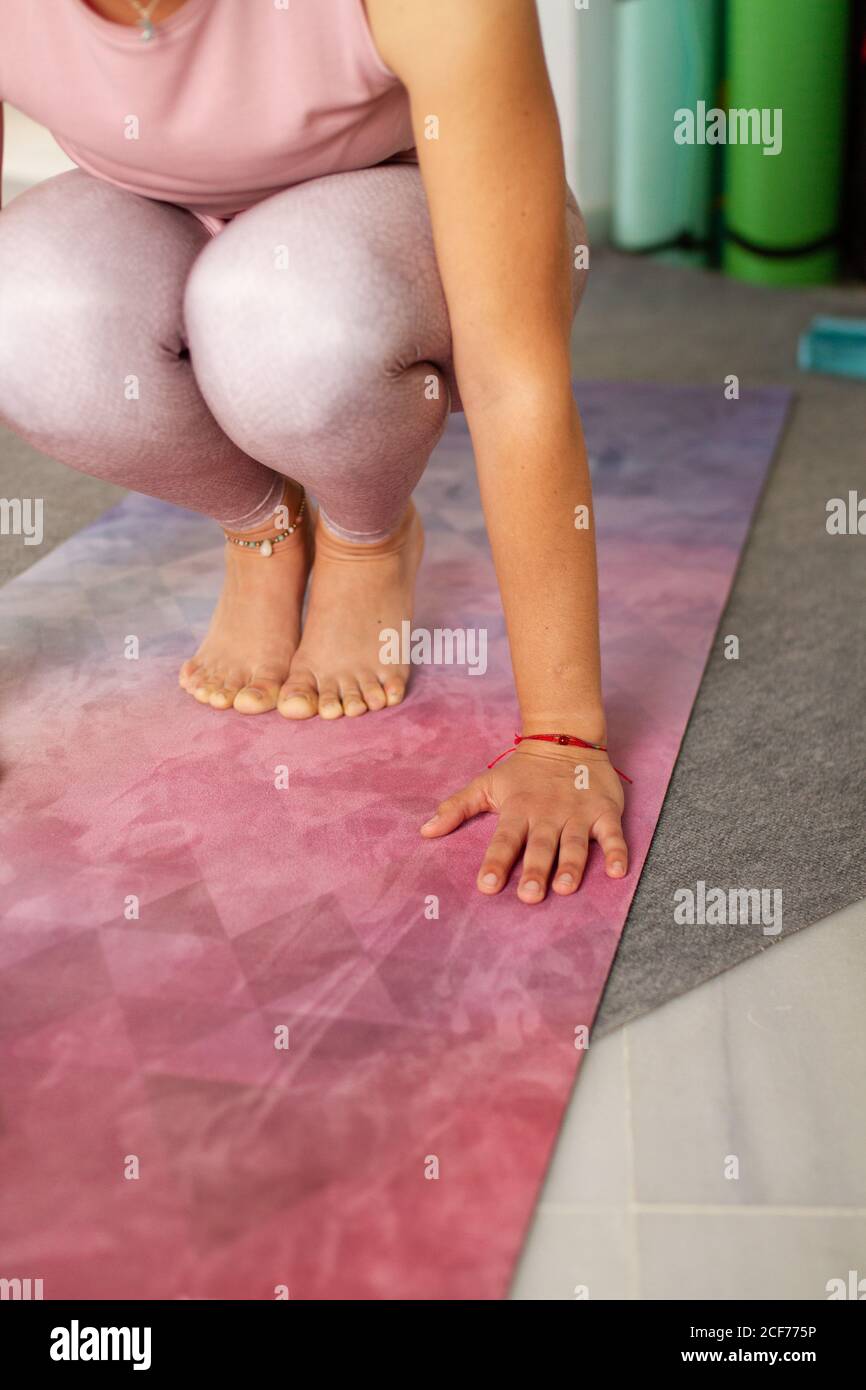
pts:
[578, 43]
[30, 154]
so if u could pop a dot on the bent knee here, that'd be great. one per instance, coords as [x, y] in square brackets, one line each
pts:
[80, 305]
[290, 343]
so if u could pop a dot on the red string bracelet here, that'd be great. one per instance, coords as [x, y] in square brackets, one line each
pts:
[568, 740]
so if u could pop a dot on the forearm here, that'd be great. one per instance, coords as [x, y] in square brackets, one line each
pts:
[534, 481]
[493, 172]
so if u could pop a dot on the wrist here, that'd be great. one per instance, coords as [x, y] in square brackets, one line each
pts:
[567, 755]
[588, 724]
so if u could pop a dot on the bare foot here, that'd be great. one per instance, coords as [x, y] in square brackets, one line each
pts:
[355, 592]
[245, 657]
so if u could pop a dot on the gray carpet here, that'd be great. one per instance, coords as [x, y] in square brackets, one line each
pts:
[769, 786]
[768, 790]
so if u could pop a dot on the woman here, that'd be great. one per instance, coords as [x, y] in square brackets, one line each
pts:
[249, 288]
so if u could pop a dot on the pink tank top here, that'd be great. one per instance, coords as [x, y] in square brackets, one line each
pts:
[229, 102]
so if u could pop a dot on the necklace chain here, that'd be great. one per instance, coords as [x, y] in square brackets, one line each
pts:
[144, 11]
[145, 17]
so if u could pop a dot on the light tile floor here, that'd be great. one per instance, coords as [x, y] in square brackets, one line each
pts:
[763, 1065]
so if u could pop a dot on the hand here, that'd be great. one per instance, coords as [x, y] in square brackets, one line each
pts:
[535, 792]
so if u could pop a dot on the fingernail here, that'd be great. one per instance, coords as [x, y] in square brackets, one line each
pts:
[617, 870]
[565, 880]
[531, 887]
[490, 880]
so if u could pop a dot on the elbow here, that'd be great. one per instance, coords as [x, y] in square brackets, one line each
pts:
[522, 390]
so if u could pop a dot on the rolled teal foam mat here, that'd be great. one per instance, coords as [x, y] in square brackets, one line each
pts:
[666, 59]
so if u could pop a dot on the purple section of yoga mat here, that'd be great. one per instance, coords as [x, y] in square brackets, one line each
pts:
[410, 1036]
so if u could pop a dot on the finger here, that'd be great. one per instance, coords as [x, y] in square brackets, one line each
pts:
[537, 861]
[573, 849]
[608, 831]
[463, 805]
[502, 851]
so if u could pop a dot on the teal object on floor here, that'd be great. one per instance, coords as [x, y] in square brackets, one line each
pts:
[667, 55]
[835, 346]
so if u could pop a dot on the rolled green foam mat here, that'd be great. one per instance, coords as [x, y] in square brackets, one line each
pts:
[666, 58]
[854, 179]
[782, 211]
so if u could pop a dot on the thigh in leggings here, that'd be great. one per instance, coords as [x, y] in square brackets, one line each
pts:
[94, 364]
[309, 339]
[321, 341]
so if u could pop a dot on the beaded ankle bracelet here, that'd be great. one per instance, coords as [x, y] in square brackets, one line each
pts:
[266, 547]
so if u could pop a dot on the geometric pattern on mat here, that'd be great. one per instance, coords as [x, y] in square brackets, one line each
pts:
[409, 1037]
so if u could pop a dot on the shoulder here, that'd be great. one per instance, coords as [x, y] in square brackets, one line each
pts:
[416, 38]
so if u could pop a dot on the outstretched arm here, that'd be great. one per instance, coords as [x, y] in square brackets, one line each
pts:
[495, 183]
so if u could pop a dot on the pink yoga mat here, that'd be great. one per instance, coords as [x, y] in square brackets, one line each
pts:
[147, 1045]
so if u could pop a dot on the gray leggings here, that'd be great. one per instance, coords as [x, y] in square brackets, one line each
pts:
[310, 339]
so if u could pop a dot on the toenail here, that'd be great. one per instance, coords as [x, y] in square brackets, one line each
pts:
[531, 887]
[490, 880]
[565, 880]
[617, 869]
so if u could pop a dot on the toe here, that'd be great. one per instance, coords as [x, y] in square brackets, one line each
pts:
[258, 696]
[353, 700]
[200, 686]
[187, 672]
[224, 696]
[299, 698]
[395, 689]
[329, 700]
[374, 695]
